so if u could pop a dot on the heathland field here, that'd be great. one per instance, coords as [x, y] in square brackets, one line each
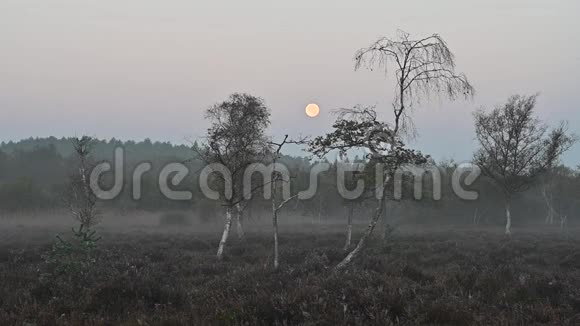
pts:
[168, 275]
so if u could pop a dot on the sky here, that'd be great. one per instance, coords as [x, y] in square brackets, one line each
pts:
[135, 69]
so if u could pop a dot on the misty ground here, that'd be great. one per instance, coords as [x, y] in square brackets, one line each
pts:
[148, 271]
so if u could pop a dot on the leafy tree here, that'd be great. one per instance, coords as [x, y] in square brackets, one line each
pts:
[516, 147]
[359, 128]
[235, 140]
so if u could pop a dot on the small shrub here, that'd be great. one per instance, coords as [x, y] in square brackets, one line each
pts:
[75, 256]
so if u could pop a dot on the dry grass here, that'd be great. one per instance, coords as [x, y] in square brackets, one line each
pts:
[450, 278]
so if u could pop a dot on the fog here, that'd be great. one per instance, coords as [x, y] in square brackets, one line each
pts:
[297, 163]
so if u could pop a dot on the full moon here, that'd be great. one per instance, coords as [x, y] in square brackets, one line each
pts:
[312, 110]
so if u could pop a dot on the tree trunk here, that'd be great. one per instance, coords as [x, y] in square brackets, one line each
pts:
[550, 216]
[250, 210]
[563, 220]
[551, 212]
[361, 243]
[349, 227]
[508, 215]
[275, 225]
[239, 226]
[320, 209]
[384, 222]
[226, 233]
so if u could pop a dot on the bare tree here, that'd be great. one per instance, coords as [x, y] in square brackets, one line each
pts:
[76, 255]
[277, 206]
[235, 140]
[558, 188]
[548, 196]
[80, 200]
[422, 68]
[516, 147]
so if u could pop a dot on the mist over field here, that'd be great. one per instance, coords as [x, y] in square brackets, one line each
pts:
[300, 163]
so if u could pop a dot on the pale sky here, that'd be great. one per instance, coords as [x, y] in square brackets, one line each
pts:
[148, 69]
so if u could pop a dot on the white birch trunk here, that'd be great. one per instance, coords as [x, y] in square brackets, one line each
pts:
[550, 216]
[275, 210]
[319, 210]
[239, 226]
[250, 210]
[226, 233]
[275, 227]
[384, 222]
[361, 243]
[275, 222]
[508, 223]
[563, 220]
[551, 212]
[349, 228]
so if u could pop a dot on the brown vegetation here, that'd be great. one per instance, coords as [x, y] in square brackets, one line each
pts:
[463, 277]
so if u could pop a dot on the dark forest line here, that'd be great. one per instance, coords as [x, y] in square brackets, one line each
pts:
[35, 173]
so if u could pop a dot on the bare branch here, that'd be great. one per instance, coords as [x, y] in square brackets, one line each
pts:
[425, 67]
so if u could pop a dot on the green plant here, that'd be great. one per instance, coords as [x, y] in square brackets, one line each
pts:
[77, 255]
[74, 256]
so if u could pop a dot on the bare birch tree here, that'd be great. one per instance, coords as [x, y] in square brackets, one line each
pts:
[516, 147]
[81, 200]
[82, 203]
[278, 204]
[558, 188]
[548, 196]
[422, 68]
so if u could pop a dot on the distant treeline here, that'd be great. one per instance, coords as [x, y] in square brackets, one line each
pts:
[35, 174]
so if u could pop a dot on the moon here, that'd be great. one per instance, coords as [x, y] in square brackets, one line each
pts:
[312, 110]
